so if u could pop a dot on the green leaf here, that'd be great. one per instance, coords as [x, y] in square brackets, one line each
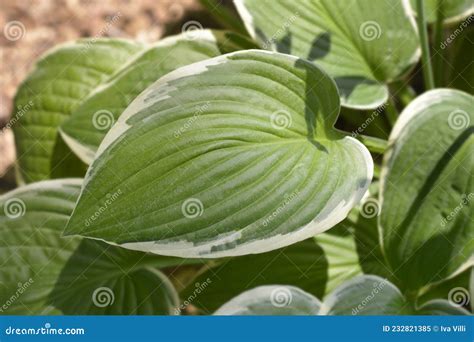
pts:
[454, 289]
[84, 130]
[427, 189]
[340, 250]
[272, 300]
[372, 295]
[362, 44]
[99, 279]
[42, 273]
[230, 156]
[362, 295]
[461, 69]
[303, 265]
[453, 10]
[60, 81]
[352, 247]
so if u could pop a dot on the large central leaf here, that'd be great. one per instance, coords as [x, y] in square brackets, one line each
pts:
[229, 156]
[363, 44]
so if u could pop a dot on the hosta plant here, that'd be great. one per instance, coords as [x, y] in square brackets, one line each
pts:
[303, 167]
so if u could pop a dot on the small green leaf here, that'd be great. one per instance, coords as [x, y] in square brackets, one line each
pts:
[428, 189]
[84, 130]
[43, 273]
[362, 44]
[60, 81]
[230, 156]
[303, 265]
[271, 300]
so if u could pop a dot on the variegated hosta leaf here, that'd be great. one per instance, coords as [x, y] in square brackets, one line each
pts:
[41, 272]
[363, 44]
[453, 10]
[428, 189]
[372, 295]
[271, 300]
[84, 130]
[302, 264]
[60, 81]
[230, 156]
[362, 295]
